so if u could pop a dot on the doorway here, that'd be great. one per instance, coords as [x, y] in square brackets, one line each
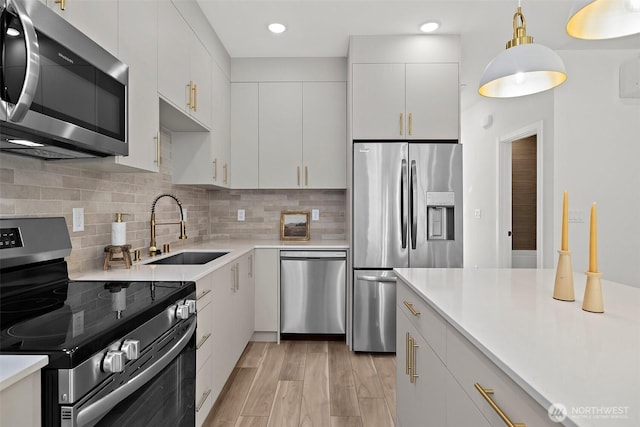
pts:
[520, 199]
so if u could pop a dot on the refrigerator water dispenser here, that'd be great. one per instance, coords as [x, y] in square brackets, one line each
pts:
[440, 215]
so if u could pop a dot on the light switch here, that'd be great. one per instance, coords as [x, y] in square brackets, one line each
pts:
[477, 213]
[240, 214]
[315, 214]
[78, 219]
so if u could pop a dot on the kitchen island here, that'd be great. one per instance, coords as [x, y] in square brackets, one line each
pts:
[551, 351]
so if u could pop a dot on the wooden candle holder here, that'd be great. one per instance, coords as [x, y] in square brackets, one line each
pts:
[563, 288]
[593, 293]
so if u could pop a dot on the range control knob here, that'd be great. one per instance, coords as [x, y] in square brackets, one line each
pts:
[191, 303]
[182, 311]
[113, 361]
[131, 349]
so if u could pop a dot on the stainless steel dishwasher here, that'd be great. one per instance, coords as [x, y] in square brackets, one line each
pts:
[313, 292]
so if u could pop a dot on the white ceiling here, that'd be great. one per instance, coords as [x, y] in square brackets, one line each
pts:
[321, 28]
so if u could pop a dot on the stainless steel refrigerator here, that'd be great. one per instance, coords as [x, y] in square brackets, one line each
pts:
[407, 212]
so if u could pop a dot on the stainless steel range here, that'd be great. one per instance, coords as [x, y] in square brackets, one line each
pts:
[120, 353]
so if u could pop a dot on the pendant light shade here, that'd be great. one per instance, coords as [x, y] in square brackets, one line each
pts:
[523, 68]
[604, 19]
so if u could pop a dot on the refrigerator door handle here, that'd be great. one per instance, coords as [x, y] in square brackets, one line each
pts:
[414, 205]
[376, 279]
[404, 211]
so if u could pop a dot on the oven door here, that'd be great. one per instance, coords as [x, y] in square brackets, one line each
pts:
[162, 393]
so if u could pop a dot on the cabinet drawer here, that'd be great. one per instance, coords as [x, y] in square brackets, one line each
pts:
[204, 396]
[204, 287]
[203, 335]
[469, 366]
[427, 322]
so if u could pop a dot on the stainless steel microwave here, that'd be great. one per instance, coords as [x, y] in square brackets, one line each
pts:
[62, 95]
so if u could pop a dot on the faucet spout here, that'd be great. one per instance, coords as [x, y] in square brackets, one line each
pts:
[153, 250]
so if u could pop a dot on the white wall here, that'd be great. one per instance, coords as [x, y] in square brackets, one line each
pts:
[597, 154]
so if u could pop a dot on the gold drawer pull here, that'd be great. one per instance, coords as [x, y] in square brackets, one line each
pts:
[485, 392]
[401, 124]
[202, 400]
[203, 340]
[408, 349]
[202, 295]
[411, 309]
[412, 374]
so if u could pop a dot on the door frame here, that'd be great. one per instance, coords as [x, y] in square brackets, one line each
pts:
[504, 192]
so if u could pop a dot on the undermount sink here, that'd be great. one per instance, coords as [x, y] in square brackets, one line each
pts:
[186, 258]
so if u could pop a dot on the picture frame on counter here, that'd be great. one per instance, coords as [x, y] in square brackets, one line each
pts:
[294, 225]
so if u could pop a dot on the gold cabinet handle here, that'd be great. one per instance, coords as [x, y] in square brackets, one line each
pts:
[215, 169]
[61, 3]
[410, 124]
[202, 400]
[298, 175]
[485, 392]
[203, 340]
[412, 374]
[158, 160]
[233, 278]
[190, 86]
[250, 265]
[411, 309]
[407, 357]
[195, 97]
[224, 173]
[306, 176]
[203, 294]
[237, 276]
[401, 124]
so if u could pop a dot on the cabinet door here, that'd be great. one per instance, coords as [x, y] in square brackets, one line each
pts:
[280, 135]
[200, 75]
[266, 290]
[221, 143]
[324, 125]
[244, 135]
[421, 402]
[137, 46]
[97, 19]
[432, 101]
[173, 55]
[244, 303]
[222, 328]
[378, 101]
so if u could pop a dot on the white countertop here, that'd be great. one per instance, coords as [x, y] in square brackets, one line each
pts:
[141, 272]
[13, 368]
[554, 350]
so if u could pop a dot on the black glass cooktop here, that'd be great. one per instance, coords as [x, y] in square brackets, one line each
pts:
[71, 320]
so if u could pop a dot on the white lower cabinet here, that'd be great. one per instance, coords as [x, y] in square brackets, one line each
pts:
[20, 402]
[204, 398]
[444, 393]
[266, 291]
[421, 378]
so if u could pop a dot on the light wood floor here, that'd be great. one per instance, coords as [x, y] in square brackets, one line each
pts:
[308, 384]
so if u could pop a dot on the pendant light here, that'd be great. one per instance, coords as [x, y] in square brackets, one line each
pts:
[523, 68]
[604, 19]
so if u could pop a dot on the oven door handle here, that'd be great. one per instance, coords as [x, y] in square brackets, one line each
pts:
[97, 409]
[32, 74]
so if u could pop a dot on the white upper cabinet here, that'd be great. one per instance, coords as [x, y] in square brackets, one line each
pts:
[412, 101]
[244, 135]
[221, 133]
[280, 133]
[378, 101]
[138, 47]
[324, 134]
[184, 66]
[96, 19]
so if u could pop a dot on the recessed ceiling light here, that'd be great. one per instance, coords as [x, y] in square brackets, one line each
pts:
[429, 27]
[277, 28]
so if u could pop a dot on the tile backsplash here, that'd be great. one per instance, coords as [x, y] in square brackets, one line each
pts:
[35, 188]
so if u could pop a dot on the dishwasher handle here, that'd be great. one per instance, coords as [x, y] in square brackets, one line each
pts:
[293, 255]
[377, 279]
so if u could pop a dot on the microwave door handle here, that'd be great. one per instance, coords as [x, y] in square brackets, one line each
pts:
[32, 74]
[414, 205]
[404, 188]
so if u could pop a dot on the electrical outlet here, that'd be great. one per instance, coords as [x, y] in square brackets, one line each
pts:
[477, 213]
[576, 216]
[240, 214]
[315, 214]
[78, 219]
